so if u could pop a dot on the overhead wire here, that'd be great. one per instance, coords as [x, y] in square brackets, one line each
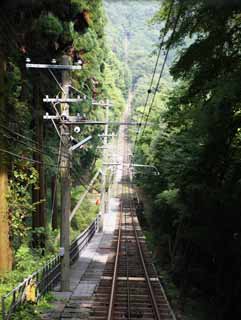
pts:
[56, 80]
[37, 147]
[19, 156]
[154, 71]
[162, 70]
[56, 177]
[26, 145]
[22, 157]
[31, 149]
[158, 58]
[15, 45]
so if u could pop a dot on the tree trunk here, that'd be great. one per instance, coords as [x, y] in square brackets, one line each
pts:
[38, 218]
[5, 246]
[54, 202]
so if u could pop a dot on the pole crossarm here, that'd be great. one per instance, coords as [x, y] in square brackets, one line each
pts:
[76, 120]
[102, 104]
[60, 100]
[61, 67]
[80, 144]
[72, 121]
[111, 164]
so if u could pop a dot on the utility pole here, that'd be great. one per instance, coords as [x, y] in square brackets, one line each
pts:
[104, 168]
[65, 182]
[66, 153]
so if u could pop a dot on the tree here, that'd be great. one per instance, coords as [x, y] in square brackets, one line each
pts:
[5, 245]
[198, 152]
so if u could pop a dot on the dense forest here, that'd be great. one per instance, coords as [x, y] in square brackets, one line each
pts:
[29, 145]
[179, 63]
[195, 144]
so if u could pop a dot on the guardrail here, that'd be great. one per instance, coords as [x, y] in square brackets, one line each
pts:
[46, 277]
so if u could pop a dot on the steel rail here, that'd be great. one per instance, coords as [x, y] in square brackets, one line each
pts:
[152, 294]
[126, 173]
[114, 278]
[127, 275]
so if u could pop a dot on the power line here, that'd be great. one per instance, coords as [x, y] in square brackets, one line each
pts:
[28, 139]
[19, 157]
[27, 146]
[155, 69]
[29, 159]
[158, 58]
[162, 70]
[32, 148]
[55, 186]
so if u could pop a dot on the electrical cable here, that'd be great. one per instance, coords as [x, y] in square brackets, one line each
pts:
[27, 146]
[30, 140]
[29, 159]
[56, 177]
[154, 71]
[162, 70]
[56, 80]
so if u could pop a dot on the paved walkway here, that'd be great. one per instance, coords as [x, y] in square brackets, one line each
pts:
[85, 273]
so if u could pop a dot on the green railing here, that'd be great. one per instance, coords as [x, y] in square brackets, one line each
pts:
[46, 277]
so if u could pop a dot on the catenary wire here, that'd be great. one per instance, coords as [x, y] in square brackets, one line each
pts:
[154, 71]
[162, 70]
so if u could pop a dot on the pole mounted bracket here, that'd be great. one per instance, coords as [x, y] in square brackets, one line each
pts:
[80, 144]
[58, 100]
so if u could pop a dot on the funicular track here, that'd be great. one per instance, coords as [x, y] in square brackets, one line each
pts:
[129, 287]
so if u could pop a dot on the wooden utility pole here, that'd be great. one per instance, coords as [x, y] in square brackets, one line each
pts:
[103, 182]
[54, 187]
[66, 152]
[65, 183]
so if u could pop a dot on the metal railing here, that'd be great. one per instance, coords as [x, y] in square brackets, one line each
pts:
[46, 277]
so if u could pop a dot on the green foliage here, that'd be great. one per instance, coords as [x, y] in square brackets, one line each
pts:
[88, 41]
[20, 206]
[33, 311]
[130, 36]
[196, 147]
[44, 30]
[85, 214]
[24, 260]
[49, 26]
[27, 261]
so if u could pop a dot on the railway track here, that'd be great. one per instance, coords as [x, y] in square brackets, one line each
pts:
[129, 287]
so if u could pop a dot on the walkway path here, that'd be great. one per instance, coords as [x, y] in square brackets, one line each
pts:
[85, 273]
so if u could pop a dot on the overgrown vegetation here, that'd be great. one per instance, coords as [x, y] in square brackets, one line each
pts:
[194, 140]
[29, 146]
[196, 147]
